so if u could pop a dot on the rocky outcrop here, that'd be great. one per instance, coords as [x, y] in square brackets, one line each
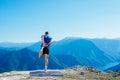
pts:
[74, 73]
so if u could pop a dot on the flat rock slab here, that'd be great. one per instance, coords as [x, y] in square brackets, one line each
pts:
[48, 73]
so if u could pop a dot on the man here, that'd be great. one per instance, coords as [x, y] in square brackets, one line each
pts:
[46, 41]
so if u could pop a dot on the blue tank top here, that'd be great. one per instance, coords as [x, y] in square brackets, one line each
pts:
[47, 38]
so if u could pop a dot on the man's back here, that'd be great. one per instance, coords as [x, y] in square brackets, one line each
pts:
[47, 38]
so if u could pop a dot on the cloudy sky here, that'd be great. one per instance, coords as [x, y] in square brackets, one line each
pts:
[27, 20]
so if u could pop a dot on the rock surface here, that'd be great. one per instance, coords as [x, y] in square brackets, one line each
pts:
[74, 73]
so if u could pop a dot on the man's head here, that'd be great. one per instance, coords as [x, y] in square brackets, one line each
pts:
[46, 32]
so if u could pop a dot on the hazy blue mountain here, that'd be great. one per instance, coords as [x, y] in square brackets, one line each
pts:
[84, 51]
[110, 46]
[24, 59]
[14, 46]
[64, 53]
[35, 47]
[114, 68]
[3, 53]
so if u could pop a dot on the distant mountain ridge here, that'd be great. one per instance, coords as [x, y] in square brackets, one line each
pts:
[14, 46]
[110, 46]
[65, 53]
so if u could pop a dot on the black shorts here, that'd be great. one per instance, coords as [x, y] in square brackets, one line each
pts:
[45, 50]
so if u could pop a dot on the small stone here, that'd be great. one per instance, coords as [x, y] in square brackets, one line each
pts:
[82, 73]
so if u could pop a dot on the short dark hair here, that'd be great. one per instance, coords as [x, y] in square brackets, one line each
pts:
[46, 32]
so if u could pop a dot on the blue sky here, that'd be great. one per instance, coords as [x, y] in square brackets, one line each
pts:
[27, 20]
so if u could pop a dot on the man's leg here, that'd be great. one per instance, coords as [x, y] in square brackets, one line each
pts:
[40, 53]
[46, 61]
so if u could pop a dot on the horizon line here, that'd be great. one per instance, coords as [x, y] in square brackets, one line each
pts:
[58, 40]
